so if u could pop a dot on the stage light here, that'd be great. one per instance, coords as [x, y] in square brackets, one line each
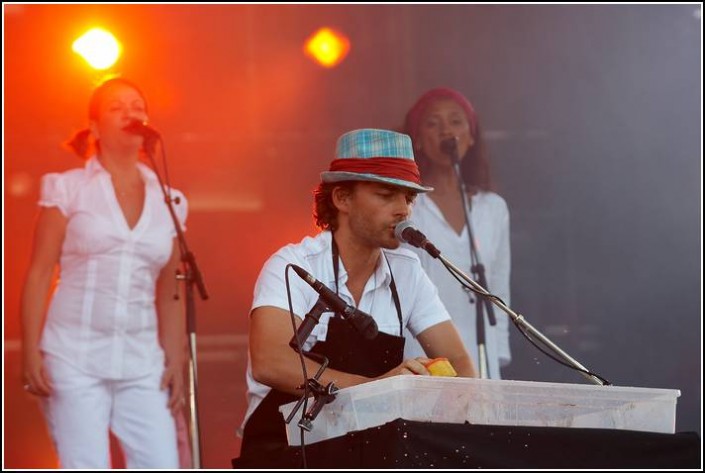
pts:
[98, 47]
[327, 47]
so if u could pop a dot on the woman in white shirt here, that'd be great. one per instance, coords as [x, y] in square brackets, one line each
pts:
[438, 115]
[109, 355]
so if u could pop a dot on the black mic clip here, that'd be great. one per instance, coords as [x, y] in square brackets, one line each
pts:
[322, 396]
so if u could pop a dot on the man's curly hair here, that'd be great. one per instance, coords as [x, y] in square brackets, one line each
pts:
[324, 211]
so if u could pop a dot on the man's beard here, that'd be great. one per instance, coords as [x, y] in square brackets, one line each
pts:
[378, 238]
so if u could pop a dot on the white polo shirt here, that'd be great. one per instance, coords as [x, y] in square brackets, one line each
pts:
[102, 318]
[420, 306]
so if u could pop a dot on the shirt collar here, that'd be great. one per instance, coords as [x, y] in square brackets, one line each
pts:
[381, 275]
[94, 166]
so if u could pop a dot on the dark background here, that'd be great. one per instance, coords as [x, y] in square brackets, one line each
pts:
[593, 118]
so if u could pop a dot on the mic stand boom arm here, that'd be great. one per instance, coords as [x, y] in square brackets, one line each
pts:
[519, 321]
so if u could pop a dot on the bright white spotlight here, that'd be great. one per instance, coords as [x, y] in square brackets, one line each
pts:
[98, 47]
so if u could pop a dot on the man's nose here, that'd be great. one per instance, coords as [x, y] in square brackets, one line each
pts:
[403, 206]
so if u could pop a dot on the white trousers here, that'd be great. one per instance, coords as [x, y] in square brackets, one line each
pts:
[82, 409]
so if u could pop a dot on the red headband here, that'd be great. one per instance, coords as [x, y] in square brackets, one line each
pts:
[413, 118]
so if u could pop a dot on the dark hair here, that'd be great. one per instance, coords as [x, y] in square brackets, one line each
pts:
[81, 142]
[325, 213]
[475, 165]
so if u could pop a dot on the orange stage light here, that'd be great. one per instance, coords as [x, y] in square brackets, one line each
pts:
[327, 47]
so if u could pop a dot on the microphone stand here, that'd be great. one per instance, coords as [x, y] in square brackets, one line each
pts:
[519, 321]
[322, 394]
[192, 276]
[450, 147]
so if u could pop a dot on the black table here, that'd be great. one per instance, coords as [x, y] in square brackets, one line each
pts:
[409, 444]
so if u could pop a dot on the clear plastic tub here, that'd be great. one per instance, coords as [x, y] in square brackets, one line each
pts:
[491, 402]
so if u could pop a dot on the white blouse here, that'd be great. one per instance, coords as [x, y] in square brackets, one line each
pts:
[102, 317]
[489, 217]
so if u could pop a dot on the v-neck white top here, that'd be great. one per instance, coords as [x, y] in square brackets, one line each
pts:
[489, 218]
[102, 317]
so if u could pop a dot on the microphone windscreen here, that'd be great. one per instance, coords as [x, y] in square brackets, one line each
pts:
[399, 230]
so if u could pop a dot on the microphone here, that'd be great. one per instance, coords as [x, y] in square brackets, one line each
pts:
[310, 321]
[137, 127]
[450, 147]
[363, 323]
[407, 233]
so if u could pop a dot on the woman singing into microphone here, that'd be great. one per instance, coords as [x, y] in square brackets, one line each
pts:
[110, 353]
[439, 116]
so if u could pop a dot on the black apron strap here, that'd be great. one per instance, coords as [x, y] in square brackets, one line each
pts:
[395, 296]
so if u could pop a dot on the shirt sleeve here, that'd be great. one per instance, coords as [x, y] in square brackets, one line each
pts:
[53, 192]
[271, 289]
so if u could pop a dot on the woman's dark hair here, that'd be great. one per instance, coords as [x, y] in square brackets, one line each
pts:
[81, 143]
[475, 165]
[325, 213]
